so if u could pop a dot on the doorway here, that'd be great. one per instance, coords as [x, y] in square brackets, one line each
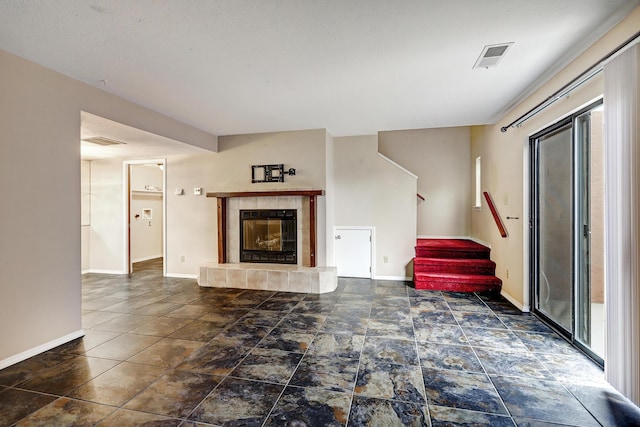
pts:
[567, 228]
[145, 215]
[354, 251]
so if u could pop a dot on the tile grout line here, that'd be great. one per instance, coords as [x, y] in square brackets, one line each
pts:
[424, 386]
[482, 364]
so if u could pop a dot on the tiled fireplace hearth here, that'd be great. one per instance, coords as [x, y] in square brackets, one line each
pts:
[229, 271]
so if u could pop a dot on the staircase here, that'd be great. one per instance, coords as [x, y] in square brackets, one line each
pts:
[454, 265]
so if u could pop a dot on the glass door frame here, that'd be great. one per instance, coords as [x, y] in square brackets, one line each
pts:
[580, 263]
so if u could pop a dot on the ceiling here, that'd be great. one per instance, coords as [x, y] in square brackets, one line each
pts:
[137, 144]
[353, 67]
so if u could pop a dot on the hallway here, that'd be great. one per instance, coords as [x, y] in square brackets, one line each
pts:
[374, 353]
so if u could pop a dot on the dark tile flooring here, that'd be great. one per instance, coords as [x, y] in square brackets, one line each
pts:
[164, 352]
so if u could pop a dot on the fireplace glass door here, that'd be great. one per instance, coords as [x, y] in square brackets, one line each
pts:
[268, 235]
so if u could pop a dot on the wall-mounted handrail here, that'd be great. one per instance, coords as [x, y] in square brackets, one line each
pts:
[420, 196]
[496, 215]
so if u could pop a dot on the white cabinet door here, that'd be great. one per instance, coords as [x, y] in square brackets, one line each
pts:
[353, 252]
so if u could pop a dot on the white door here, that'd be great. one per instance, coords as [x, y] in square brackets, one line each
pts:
[353, 252]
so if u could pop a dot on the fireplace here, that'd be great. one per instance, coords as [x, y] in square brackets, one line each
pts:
[268, 235]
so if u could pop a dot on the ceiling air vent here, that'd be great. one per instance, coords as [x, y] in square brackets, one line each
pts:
[99, 140]
[491, 55]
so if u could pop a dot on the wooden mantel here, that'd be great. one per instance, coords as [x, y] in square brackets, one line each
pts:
[222, 216]
[308, 193]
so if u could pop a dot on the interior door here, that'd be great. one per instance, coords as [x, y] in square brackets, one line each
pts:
[353, 252]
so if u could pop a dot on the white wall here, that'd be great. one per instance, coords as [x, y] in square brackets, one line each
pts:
[40, 257]
[146, 234]
[107, 217]
[371, 191]
[85, 213]
[440, 158]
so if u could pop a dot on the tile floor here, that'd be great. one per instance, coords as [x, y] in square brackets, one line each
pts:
[165, 352]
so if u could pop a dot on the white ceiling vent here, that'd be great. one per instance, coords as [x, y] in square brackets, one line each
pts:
[99, 140]
[491, 55]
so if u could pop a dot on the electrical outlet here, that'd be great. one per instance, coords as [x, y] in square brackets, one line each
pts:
[507, 273]
[181, 258]
[385, 259]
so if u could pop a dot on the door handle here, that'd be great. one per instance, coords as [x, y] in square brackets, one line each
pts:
[338, 237]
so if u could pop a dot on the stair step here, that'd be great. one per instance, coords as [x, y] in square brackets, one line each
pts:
[457, 282]
[454, 265]
[451, 248]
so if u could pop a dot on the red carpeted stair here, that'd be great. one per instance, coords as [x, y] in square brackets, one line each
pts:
[454, 265]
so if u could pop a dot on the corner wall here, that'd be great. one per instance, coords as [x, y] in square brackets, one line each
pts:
[371, 191]
[440, 157]
[85, 213]
[40, 257]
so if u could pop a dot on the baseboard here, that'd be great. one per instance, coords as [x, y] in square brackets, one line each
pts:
[512, 300]
[146, 258]
[393, 278]
[40, 349]
[98, 271]
[482, 242]
[181, 276]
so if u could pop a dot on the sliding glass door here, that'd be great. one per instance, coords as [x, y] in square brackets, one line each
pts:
[565, 197]
[555, 239]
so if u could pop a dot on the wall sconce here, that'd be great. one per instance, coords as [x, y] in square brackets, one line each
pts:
[270, 173]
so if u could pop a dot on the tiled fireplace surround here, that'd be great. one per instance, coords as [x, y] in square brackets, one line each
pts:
[275, 277]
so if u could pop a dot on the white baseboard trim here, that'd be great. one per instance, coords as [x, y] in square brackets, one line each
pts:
[482, 242]
[98, 271]
[393, 278]
[146, 258]
[181, 276]
[512, 300]
[12, 360]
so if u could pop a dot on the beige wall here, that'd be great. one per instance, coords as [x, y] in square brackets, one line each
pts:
[191, 224]
[505, 162]
[440, 158]
[40, 257]
[305, 151]
[328, 251]
[371, 191]
[191, 220]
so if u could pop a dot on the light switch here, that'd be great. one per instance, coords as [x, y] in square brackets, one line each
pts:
[197, 191]
[178, 191]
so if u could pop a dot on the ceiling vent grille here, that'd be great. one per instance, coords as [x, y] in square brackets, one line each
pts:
[99, 140]
[492, 54]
